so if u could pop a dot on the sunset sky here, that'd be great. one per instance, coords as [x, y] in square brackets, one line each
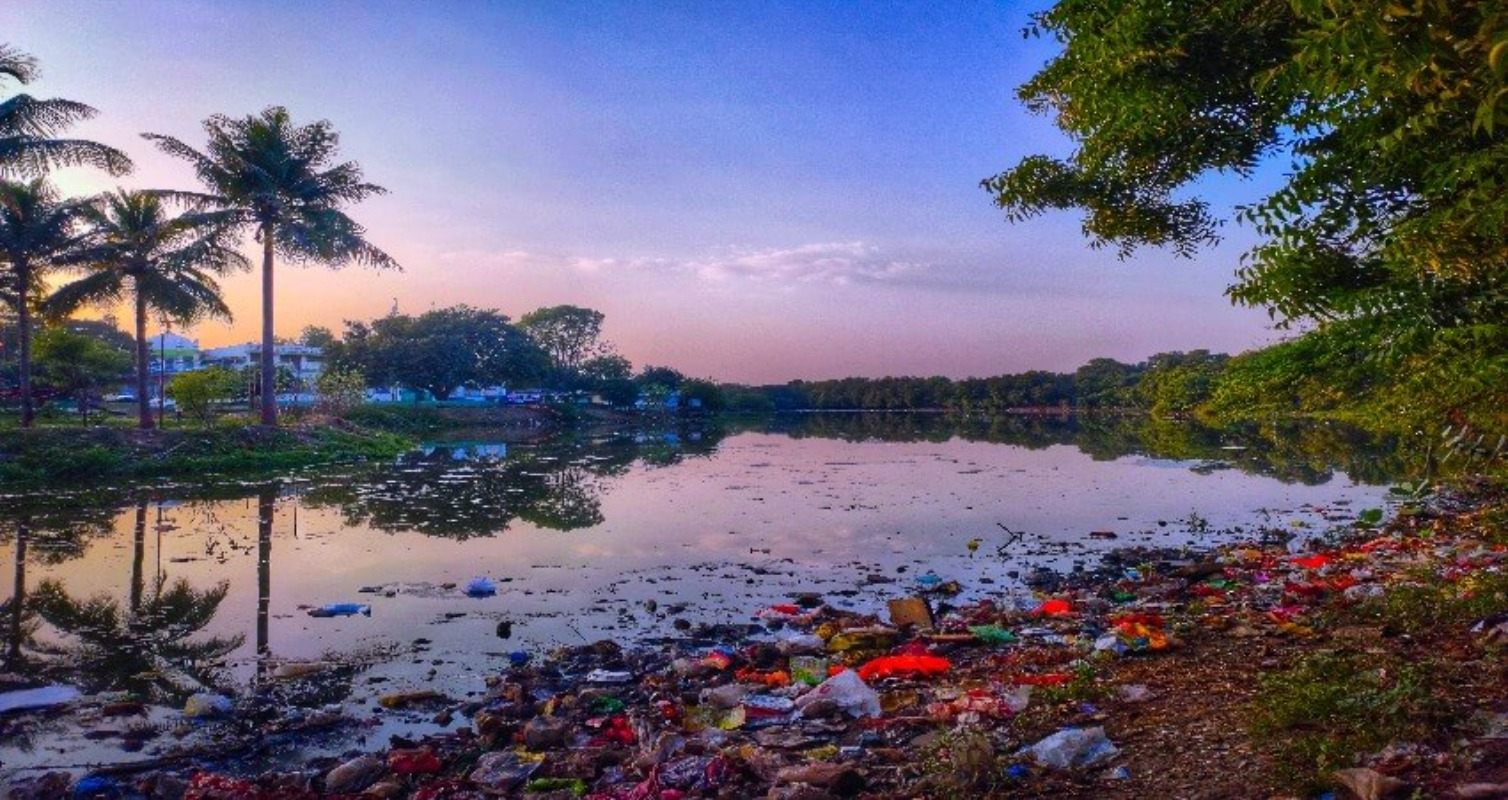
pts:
[750, 191]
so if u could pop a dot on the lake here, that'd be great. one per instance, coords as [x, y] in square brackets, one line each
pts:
[633, 536]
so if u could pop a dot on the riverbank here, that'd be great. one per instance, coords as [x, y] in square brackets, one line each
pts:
[1248, 670]
[48, 455]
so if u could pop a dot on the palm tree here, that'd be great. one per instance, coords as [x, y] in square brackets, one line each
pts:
[28, 125]
[134, 250]
[264, 172]
[37, 233]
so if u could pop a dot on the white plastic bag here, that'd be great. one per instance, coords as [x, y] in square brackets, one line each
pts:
[848, 691]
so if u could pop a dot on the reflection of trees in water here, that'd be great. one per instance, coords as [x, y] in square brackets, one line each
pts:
[47, 530]
[1291, 451]
[557, 487]
[149, 649]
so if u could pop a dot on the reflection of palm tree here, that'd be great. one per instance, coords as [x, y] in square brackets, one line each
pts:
[266, 498]
[138, 554]
[148, 651]
[15, 608]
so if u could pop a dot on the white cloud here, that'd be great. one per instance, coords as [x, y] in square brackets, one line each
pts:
[831, 263]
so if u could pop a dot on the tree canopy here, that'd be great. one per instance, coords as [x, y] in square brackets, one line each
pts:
[440, 350]
[1388, 119]
[571, 335]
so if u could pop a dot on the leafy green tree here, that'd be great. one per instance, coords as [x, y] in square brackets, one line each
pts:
[135, 251]
[1175, 384]
[606, 368]
[1104, 383]
[340, 390]
[28, 128]
[665, 377]
[78, 365]
[618, 391]
[440, 350]
[316, 336]
[283, 181]
[37, 234]
[199, 391]
[704, 395]
[571, 335]
[1389, 227]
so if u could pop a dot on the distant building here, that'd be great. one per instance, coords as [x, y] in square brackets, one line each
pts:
[304, 361]
[169, 354]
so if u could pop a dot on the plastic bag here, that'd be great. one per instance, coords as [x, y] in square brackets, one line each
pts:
[848, 691]
[503, 770]
[913, 665]
[481, 587]
[1074, 747]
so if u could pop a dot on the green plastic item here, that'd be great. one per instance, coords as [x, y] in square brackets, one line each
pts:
[993, 634]
[575, 786]
[607, 705]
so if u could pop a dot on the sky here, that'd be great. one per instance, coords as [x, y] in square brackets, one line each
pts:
[750, 192]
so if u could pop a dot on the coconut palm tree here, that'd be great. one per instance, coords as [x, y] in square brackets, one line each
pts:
[135, 250]
[281, 180]
[28, 146]
[38, 232]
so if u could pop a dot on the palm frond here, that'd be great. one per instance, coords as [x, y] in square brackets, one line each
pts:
[32, 156]
[24, 115]
[182, 298]
[102, 288]
[17, 65]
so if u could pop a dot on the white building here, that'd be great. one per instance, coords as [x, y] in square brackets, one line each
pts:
[302, 360]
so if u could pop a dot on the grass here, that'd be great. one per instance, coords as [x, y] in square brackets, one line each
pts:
[1333, 705]
[53, 455]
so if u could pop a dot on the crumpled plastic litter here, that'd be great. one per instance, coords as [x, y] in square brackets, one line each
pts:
[1072, 748]
[848, 691]
[910, 665]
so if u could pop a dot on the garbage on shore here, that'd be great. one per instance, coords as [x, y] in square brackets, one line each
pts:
[931, 699]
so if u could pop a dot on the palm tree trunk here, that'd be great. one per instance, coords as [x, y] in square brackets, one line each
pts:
[23, 330]
[138, 556]
[266, 499]
[269, 371]
[143, 408]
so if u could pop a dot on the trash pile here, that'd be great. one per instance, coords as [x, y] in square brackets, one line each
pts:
[927, 698]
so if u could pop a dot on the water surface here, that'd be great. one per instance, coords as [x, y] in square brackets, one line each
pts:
[618, 536]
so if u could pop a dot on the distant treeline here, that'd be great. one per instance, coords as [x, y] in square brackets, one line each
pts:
[1167, 383]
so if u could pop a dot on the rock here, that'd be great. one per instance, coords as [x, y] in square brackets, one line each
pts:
[546, 733]
[354, 775]
[840, 779]
[725, 696]
[386, 788]
[1369, 784]
[799, 792]
[163, 786]
[1482, 791]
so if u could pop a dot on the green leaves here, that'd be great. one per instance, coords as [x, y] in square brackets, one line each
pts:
[1390, 225]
